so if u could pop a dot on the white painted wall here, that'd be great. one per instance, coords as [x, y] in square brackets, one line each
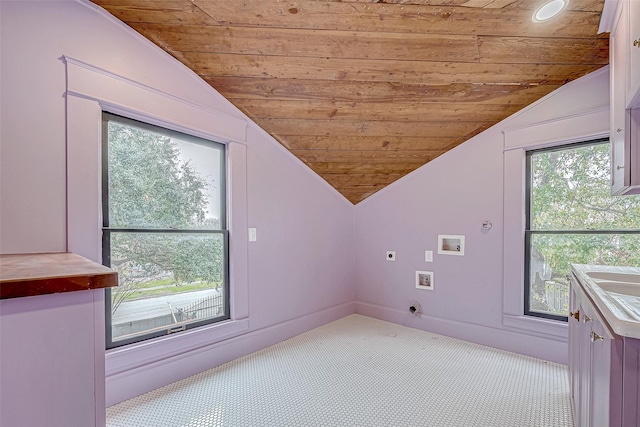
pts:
[52, 359]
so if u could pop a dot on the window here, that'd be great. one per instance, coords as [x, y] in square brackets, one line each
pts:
[572, 218]
[164, 230]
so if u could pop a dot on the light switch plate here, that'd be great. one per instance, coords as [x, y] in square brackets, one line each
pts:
[428, 256]
[252, 235]
[391, 255]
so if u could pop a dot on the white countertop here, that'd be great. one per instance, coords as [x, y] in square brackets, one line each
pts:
[620, 309]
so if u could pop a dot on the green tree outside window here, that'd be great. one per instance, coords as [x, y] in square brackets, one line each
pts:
[574, 219]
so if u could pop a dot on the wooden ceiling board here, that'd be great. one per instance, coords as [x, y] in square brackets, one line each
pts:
[543, 50]
[314, 156]
[366, 91]
[357, 167]
[380, 17]
[346, 91]
[369, 143]
[370, 70]
[338, 128]
[582, 5]
[401, 111]
[159, 12]
[313, 43]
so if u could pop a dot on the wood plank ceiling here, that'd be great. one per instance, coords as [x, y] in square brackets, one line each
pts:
[364, 91]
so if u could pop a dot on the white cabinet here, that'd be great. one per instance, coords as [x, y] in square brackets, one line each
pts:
[617, 54]
[624, 59]
[633, 75]
[605, 394]
[574, 351]
[598, 362]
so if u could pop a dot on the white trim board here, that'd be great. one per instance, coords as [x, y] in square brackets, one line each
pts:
[121, 95]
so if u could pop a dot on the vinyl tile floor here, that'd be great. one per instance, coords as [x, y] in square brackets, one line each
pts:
[360, 371]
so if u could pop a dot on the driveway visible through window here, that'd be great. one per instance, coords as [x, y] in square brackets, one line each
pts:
[164, 230]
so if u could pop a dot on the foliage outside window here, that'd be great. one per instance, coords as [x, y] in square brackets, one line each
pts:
[164, 230]
[573, 219]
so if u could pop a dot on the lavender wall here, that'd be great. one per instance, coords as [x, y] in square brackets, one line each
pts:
[310, 250]
[300, 270]
[303, 257]
[454, 194]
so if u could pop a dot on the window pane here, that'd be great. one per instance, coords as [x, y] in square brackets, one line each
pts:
[570, 190]
[165, 280]
[551, 256]
[161, 180]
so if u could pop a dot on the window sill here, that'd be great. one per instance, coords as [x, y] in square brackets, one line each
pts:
[553, 329]
[137, 355]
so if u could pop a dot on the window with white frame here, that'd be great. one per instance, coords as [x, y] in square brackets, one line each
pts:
[572, 218]
[164, 230]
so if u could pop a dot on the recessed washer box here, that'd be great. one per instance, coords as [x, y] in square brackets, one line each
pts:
[451, 244]
[424, 280]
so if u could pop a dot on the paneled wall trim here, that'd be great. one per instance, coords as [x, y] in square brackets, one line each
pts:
[562, 130]
[121, 95]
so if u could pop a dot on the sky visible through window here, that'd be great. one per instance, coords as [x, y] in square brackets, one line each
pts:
[164, 232]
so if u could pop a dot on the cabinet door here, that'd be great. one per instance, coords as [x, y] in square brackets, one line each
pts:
[586, 371]
[633, 43]
[574, 348]
[605, 377]
[631, 383]
[619, 39]
[633, 135]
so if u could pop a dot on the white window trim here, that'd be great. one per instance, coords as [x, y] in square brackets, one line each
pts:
[90, 90]
[585, 126]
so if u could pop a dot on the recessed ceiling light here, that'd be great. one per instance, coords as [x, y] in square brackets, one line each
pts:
[549, 10]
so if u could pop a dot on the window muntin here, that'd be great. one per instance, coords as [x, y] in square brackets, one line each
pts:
[164, 230]
[572, 218]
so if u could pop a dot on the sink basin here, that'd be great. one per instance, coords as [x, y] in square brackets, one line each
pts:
[614, 277]
[631, 289]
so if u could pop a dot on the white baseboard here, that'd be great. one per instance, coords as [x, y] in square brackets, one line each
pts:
[134, 382]
[550, 349]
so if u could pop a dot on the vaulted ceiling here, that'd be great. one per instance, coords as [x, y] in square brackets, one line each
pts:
[364, 91]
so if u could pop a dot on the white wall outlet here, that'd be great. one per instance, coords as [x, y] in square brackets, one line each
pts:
[252, 235]
[391, 255]
[428, 256]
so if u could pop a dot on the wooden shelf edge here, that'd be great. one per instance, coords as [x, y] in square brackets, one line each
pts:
[24, 275]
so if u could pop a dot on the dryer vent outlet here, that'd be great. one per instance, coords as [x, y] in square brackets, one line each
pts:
[415, 308]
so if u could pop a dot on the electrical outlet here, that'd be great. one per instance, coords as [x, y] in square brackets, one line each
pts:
[428, 256]
[252, 235]
[391, 255]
